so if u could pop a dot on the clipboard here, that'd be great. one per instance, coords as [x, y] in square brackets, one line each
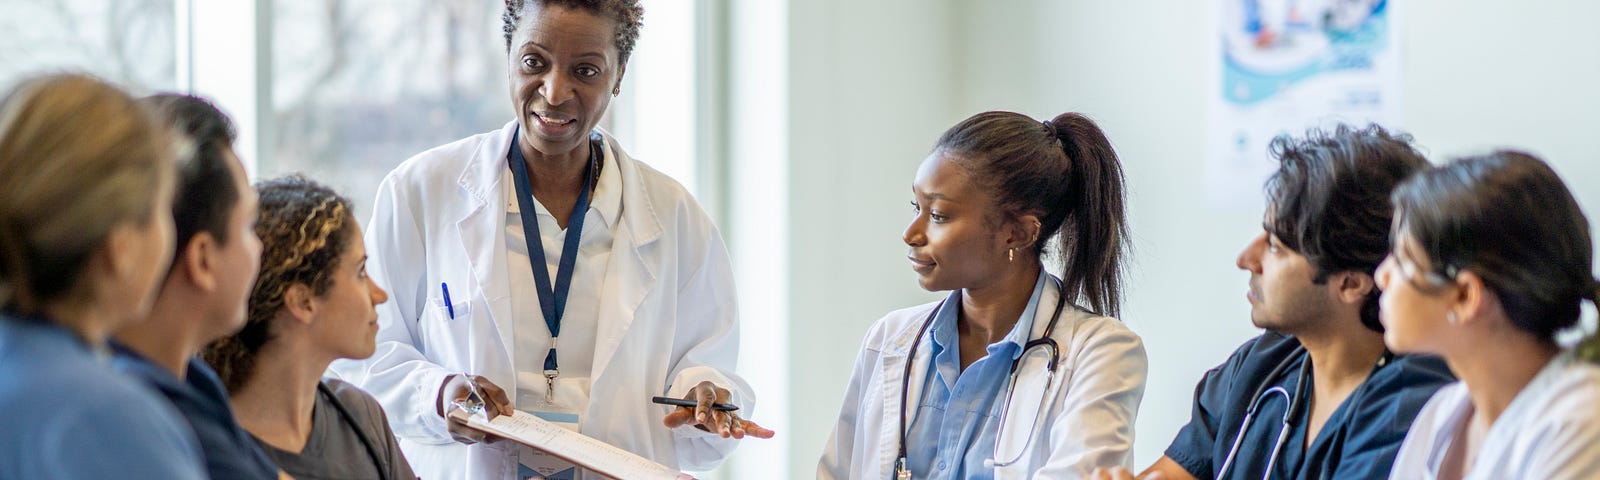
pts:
[584, 451]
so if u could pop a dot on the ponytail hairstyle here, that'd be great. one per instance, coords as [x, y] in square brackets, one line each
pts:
[1065, 172]
[1508, 218]
[304, 229]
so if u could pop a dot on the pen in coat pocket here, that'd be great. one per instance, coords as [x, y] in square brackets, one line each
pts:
[448, 306]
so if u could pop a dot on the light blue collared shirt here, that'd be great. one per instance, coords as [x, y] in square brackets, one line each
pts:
[959, 412]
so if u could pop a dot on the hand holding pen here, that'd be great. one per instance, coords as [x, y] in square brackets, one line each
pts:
[711, 412]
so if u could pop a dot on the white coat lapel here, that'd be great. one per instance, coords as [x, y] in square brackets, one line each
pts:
[628, 277]
[895, 383]
[482, 239]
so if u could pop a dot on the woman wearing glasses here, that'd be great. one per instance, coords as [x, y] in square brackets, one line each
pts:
[1491, 258]
[1008, 377]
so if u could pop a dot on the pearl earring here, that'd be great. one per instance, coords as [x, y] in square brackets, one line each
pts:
[1451, 317]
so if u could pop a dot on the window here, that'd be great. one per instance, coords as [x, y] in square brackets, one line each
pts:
[358, 86]
[130, 42]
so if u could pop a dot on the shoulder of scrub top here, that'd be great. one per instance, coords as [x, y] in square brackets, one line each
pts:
[1382, 415]
[1260, 354]
[1406, 383]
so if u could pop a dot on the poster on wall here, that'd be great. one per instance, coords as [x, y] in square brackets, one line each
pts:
[1282, 66]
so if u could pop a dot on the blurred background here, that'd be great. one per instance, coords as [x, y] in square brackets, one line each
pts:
[799, 124]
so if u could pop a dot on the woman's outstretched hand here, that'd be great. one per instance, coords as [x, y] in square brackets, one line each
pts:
[704, 417]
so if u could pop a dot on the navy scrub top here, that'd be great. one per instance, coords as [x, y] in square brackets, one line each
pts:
[1359, 440]
[228, 449]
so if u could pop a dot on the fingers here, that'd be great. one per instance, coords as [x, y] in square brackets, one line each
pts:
[494, 397]
[704, 394]
[464, 434]
[735, 425]
[679, 417]
[722, 424]
[752, 429]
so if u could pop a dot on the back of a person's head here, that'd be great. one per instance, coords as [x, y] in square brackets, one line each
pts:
[305, 227]
[1329, 198]
[207, 190]
[78, 157]
[1509, 219]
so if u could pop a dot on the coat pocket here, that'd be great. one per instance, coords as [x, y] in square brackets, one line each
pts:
[446, 330]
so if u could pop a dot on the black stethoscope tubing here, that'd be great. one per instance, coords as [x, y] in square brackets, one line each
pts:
[1045, 341]
[1294, 405]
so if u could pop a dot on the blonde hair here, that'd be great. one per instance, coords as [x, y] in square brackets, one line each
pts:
[78, 157]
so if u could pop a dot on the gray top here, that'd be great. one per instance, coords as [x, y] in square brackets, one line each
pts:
[336, 450]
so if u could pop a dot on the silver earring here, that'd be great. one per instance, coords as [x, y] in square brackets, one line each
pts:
[1451, 317]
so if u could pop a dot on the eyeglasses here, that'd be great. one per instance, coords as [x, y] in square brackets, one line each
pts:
[1431, 281]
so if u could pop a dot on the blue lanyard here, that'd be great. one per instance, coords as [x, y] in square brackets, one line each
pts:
[552, 301]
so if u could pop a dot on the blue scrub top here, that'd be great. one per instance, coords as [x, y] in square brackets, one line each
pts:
[229, 450]
[65, 414]
[1359, 440]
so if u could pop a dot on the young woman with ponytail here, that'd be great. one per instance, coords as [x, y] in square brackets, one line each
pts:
[1491, 257]
[1018, 373]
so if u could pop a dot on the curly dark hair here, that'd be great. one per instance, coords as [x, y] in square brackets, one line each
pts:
[304, 228]
[1330, 199]
[628, 15]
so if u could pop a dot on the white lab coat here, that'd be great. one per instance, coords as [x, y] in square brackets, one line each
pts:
[667, 314]
[1089, 422]
[1549, 431]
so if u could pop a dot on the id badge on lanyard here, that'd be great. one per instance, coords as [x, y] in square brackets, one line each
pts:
[552, 304]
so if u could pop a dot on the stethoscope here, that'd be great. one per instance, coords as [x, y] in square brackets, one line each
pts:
[1265, 390]
[344, 414]
[1011, 383]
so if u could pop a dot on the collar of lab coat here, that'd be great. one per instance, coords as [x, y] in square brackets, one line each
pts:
[628, 273]
[1030, 372]
[483, 176]
[607, 199]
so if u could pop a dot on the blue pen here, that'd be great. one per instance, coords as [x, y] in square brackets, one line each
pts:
[448, 306]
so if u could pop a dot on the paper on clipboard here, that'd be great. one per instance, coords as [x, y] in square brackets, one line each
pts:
[584, 451]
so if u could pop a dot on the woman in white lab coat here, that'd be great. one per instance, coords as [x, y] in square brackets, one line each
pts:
[1491, 258]
[964, 387]
[576, 318]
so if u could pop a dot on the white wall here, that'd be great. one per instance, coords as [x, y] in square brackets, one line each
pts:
[1478, 74]
[872, 84]
[870, 89]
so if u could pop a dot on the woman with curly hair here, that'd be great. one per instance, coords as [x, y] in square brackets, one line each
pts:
[313, 303]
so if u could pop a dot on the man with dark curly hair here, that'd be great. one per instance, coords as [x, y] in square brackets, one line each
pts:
[1317, 395]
